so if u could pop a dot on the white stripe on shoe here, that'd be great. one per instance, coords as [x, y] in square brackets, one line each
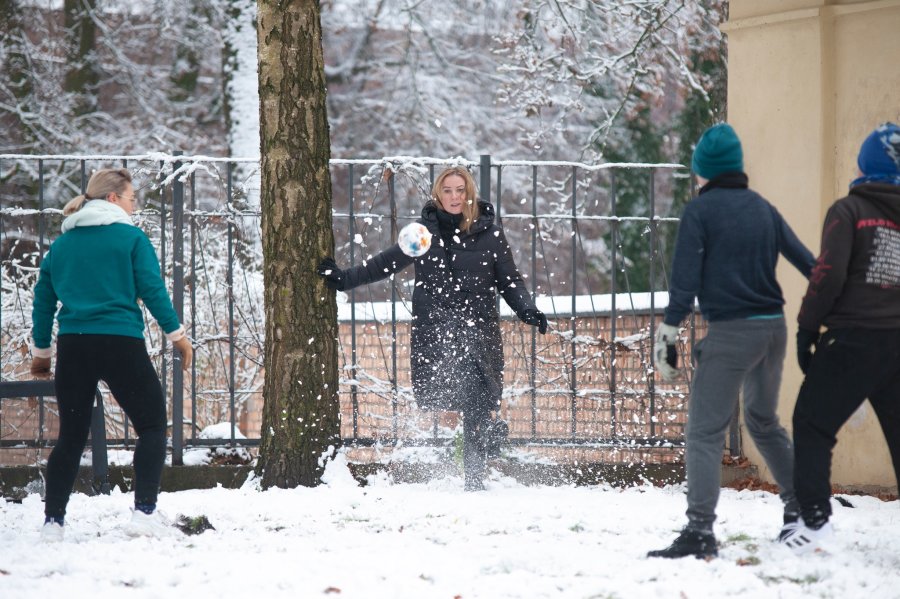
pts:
[801, 539]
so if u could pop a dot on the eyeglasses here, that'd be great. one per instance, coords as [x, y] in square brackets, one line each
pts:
[130, 199]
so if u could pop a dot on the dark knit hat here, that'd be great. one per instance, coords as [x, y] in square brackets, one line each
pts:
[880, 152]
[718, 151]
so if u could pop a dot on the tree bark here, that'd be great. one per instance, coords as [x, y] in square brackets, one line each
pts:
[301, 418]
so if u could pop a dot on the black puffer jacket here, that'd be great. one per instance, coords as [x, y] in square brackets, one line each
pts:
[457, 353]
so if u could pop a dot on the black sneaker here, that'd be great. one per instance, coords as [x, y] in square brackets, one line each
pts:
[700, 544]
[496, 433]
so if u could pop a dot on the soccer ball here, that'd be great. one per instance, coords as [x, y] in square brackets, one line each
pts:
[414, 239]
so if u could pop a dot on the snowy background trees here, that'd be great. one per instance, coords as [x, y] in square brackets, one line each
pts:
[544, 79]
[555, 79]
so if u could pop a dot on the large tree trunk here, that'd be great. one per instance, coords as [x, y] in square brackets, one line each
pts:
[300, 416]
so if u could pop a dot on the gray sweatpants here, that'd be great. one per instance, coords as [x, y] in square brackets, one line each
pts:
[736, 354]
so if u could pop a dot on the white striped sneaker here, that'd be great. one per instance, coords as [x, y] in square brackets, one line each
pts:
[801, 539]
[149, 525]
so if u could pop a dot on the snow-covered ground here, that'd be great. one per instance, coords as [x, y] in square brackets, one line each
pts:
[433, 540]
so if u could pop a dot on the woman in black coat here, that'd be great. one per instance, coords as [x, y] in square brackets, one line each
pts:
[457, 352]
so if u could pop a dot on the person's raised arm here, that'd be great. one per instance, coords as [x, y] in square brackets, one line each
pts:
[372, 269]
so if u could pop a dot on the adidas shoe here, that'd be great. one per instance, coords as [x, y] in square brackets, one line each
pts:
[790, 524]
[52, 532]
[149, 525]
[800, 538]
[701, 544]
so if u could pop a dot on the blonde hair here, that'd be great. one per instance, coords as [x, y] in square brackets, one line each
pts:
[102, 183]
[470, 210]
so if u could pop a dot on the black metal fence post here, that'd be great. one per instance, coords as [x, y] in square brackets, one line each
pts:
[178, 302]
[533, 369]
[232, 374]
[614, 243]
[354, 386]
[651, 383]
[484, 172]
[193, 333]
[395, 393]
[574, 320]
[163, 373]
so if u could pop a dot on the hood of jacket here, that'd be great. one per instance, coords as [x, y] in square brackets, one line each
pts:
[96, 213]
[884, 196]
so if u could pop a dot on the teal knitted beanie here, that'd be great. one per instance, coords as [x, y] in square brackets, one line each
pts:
[718, 151]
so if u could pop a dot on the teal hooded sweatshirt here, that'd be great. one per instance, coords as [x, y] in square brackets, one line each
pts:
[97, 270]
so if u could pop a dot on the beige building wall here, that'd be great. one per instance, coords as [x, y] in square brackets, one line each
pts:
[807, 81]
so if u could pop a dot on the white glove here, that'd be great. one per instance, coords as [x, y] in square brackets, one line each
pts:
[664, 352]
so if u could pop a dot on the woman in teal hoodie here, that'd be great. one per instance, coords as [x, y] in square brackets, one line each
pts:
[96, 272]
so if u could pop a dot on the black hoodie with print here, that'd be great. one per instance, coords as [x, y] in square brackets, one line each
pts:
[856, 280]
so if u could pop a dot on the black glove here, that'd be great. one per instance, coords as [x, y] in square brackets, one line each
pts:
[535, 318]
[806, 339]
[334, 276]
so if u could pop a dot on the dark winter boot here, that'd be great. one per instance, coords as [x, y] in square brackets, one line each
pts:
[496, 433]
[473, 452]
[473, 466]
[699, 543]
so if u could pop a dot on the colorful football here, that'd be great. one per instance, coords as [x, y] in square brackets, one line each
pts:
[414, 239]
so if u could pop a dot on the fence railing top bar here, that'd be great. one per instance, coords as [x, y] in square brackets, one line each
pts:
[153, 156]
[386, 160]
[588, 167]
[408, 160]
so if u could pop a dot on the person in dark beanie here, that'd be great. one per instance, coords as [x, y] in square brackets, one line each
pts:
[90, 281]
[456, 355]
[854, 292]
[729, 239]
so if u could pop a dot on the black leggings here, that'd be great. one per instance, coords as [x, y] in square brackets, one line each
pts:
[122, 362]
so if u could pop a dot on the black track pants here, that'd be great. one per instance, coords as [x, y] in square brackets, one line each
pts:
[848, 367]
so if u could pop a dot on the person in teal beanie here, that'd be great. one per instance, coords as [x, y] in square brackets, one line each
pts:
[96, 272]
[729, 240]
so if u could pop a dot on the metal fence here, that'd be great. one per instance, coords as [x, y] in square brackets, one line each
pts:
[591, 383]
